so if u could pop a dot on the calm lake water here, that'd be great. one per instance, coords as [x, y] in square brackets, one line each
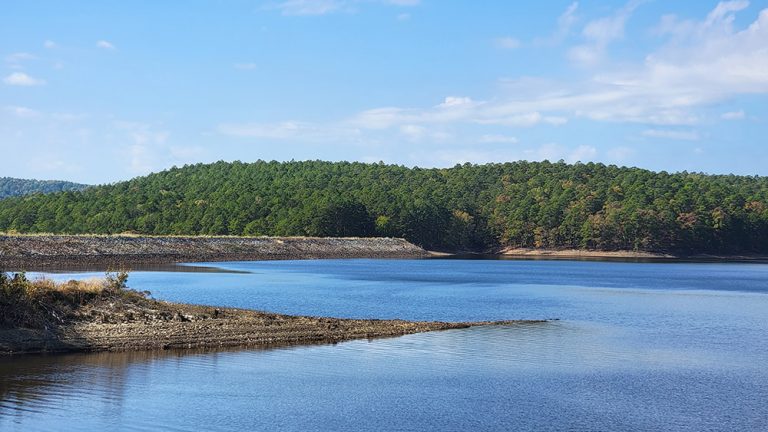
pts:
[638, 347]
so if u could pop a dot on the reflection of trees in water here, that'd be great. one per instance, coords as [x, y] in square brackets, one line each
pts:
[40, 383]
[162, 267]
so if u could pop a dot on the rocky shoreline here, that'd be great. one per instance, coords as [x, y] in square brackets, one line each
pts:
[581, 253]
[22, 252]
[533, 253]
[173, 326]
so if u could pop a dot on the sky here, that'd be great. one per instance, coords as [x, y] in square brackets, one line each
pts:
[98, 92]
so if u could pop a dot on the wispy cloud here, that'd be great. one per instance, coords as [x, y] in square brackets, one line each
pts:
[146, 146]
[600, 33]
[498, 139]
[105, 45]
[22, 79]
[698, 63]
[324, 7]
[288, 130]
[21, 112]
[507, 42]
[714, 62]
[50, 44]
[565, 23]
[733, 115]
[17, 60]
[19, 57]
[549, 151]
[310, 7]
[685, 135]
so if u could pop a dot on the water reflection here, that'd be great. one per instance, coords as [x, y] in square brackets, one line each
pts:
[639, 347]
[162, 267]
[554, 376]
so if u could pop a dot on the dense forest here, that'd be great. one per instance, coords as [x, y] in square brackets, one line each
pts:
[467, 207]
[10, 187]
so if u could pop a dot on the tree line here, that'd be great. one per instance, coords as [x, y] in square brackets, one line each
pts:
[464, 208]
[16, 187]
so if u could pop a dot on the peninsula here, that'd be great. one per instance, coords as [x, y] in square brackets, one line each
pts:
[41, 316]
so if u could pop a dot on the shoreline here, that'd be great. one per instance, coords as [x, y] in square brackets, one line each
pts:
[597, 255]
[19, 252]
[22, 252]
[579, 253]
[206, 327]
[43, 316]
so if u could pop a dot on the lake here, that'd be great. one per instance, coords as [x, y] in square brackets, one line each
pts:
[635, 347]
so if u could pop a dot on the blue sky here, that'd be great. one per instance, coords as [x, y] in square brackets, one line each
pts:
[103, 91]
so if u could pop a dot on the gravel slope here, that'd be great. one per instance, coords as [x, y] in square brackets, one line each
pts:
[19, 252]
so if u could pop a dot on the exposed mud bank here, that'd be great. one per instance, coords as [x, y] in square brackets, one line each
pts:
[160, 325]
[581, 253]
[623, 255]
[20, 252]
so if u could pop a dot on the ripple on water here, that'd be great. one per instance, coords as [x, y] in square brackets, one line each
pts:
[639, 347]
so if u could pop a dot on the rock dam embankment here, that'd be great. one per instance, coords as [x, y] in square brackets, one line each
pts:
[18, 252]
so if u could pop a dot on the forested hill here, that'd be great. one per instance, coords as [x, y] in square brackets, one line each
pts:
[16, 187]
[467, 207]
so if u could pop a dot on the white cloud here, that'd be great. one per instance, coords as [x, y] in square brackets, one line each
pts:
[182, 155]
[567, 20]
[550, 151]
[454, 110]
[555, 152]
[22, 79]
[140, 159]
[19, 57]
[148, 146]
[142, 133]
[456, 101]
[451, 157]
[565, 23]
[49, 162]
[492, 116]
[50, 44]
[68, 117]
[380, 118]
[685, 135]
[403, 2]
[324, 7]
[403, 17]
[309, 7]
[288, 130]
[600, 33]
[497, 138]
[582, 153]
[283, 130]
[105, 45]
[22, 112]
[722, 14]
[413, 132]
[698, 63]
[620, 154]
[733, 115]
[508, 43]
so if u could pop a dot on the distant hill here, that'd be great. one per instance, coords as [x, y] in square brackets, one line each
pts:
[10, 187]
[467, 207]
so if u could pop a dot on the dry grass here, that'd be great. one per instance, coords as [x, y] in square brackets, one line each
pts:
[73, 287]
[44, 303]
